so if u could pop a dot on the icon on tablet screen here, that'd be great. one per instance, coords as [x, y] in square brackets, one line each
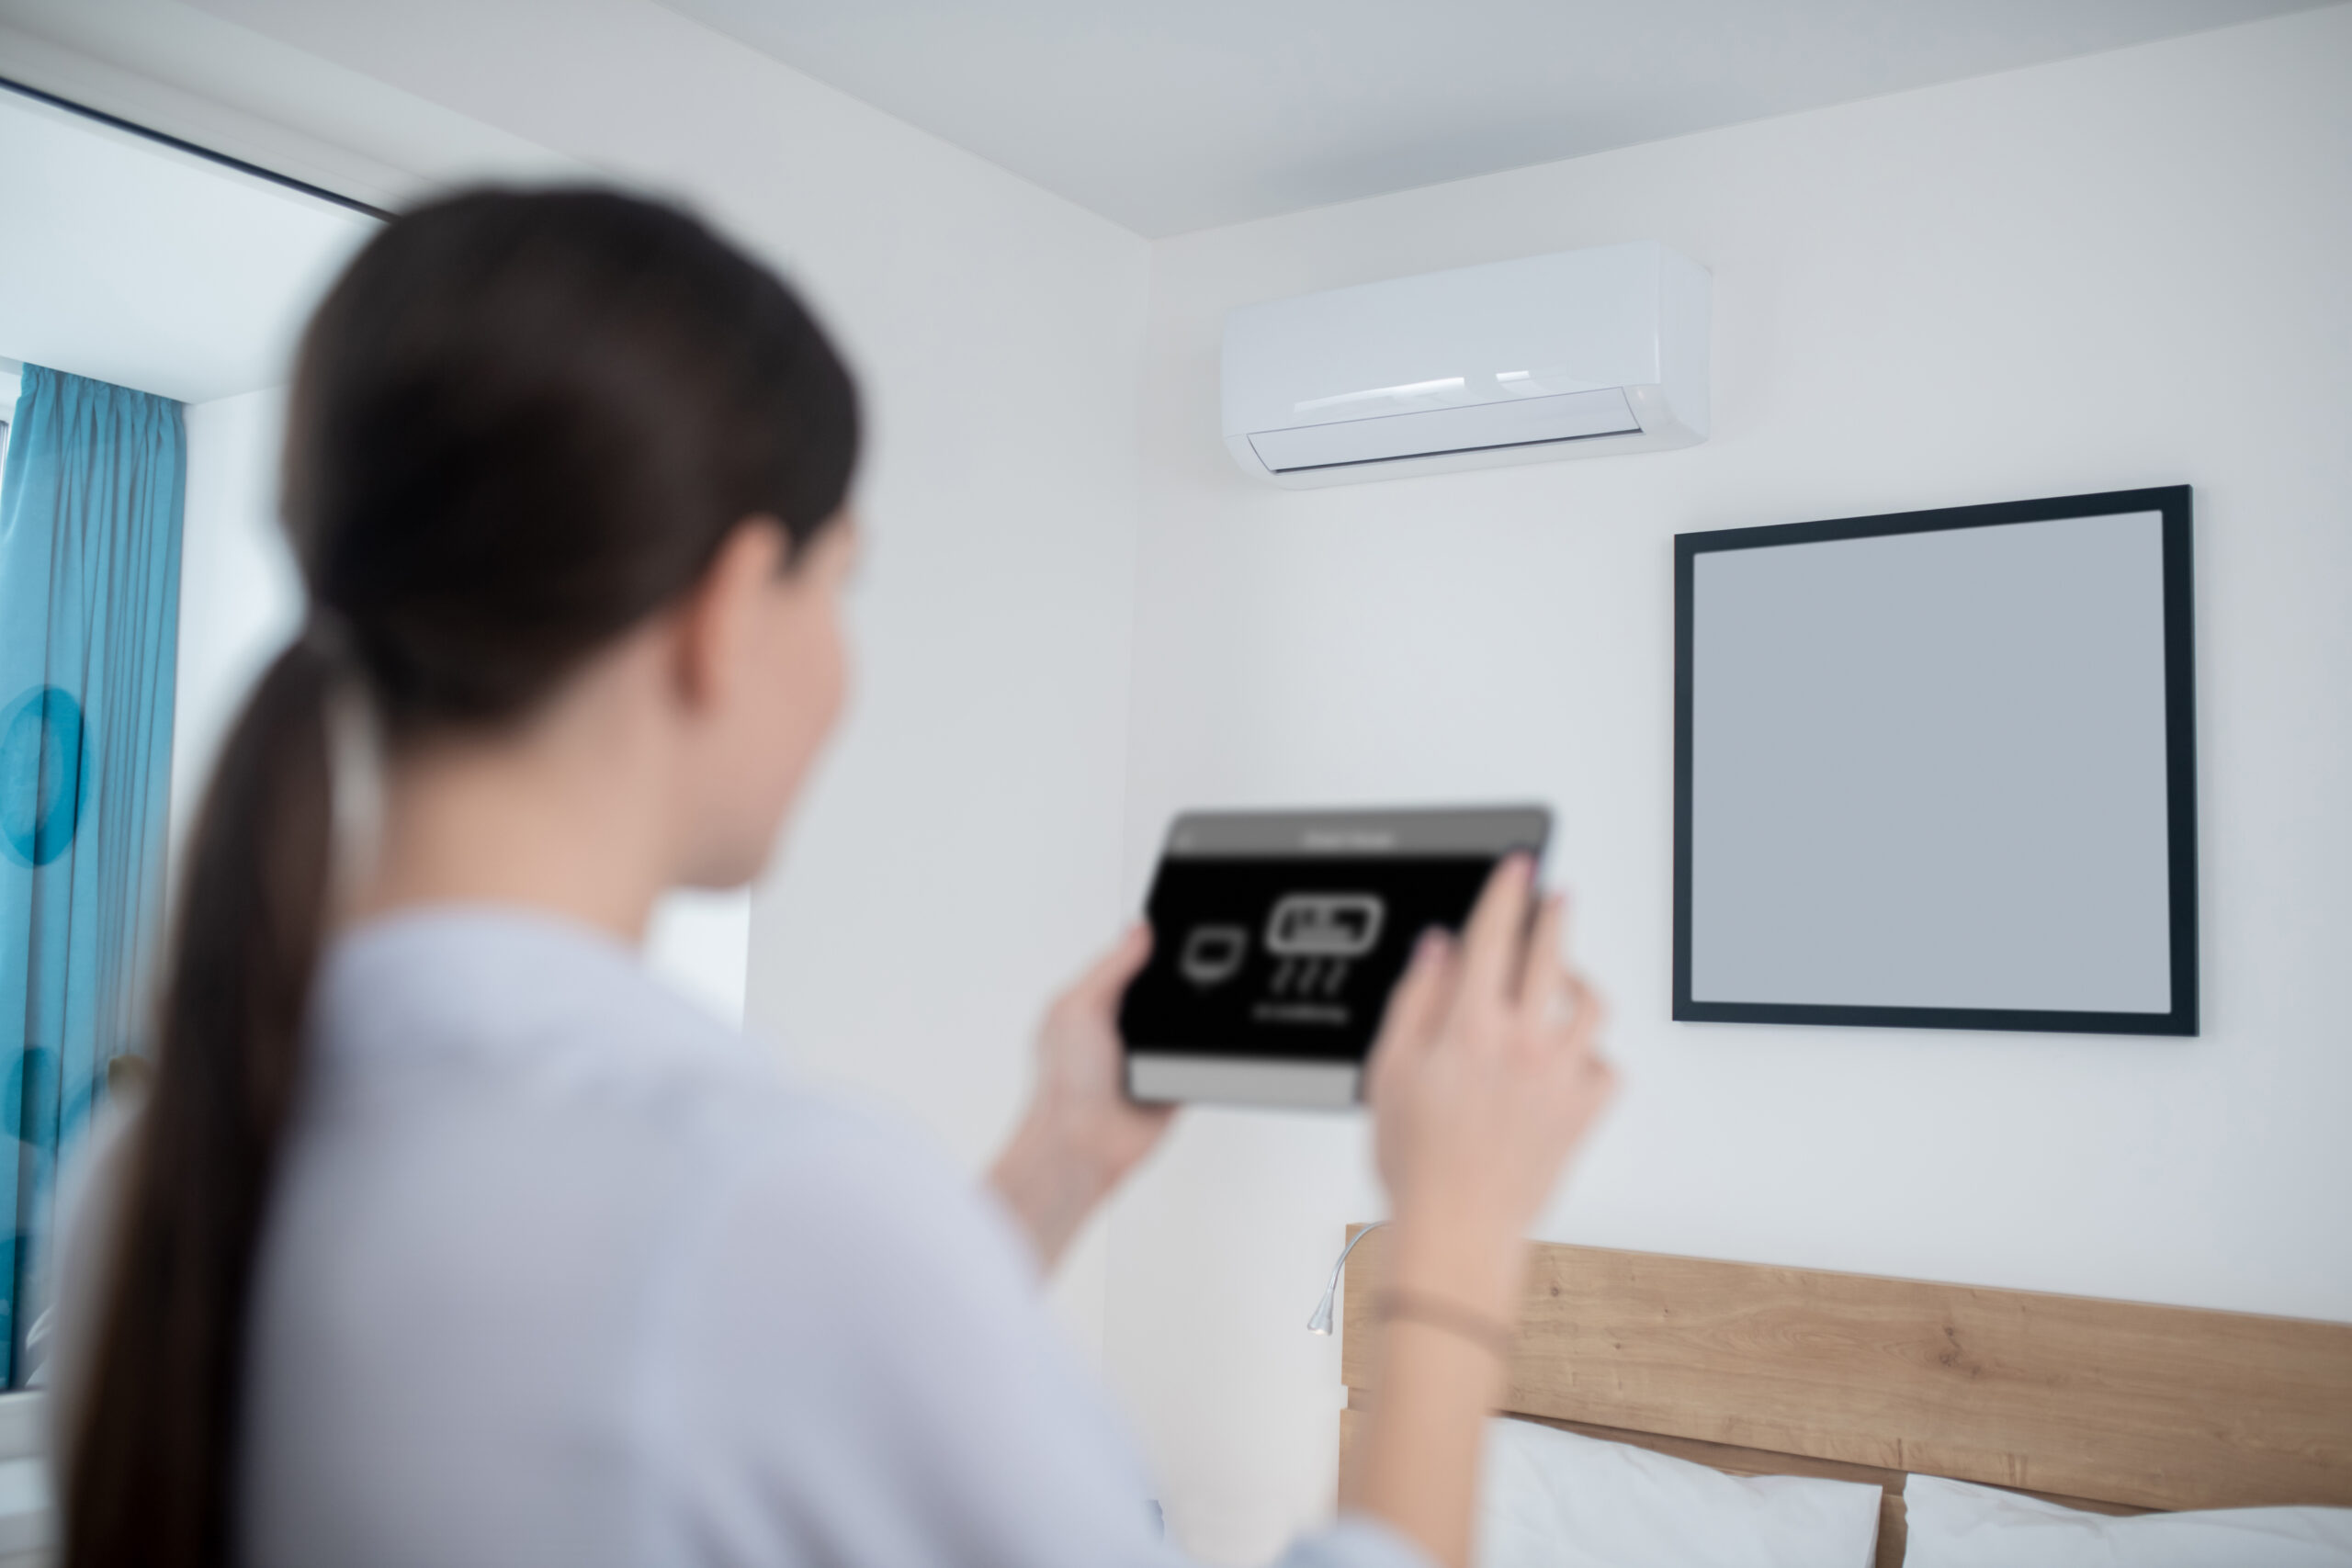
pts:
[1324, 925]
[1212, 955]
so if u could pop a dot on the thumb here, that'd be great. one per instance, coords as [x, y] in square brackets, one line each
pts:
[1098, 989]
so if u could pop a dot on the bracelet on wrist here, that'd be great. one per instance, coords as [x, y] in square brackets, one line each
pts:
[1488, 1333]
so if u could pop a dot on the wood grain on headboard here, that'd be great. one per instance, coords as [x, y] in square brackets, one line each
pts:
[2095, 1402]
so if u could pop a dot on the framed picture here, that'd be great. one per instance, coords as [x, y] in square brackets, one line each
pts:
[1937, 769]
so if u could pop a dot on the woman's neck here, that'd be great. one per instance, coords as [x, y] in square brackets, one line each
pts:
[568, 812]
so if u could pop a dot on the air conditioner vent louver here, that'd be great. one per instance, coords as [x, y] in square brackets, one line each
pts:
[1529, 422]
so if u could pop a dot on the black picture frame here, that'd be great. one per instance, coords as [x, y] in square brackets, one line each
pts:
[2173, 503]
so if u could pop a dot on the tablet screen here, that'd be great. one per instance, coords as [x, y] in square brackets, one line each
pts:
[1278, 936]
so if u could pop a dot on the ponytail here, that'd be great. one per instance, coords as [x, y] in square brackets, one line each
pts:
[521, 424]
[149, 1478]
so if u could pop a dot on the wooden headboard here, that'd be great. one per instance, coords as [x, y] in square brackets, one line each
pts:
[2108, 1406]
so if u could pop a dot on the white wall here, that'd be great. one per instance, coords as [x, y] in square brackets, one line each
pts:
[2119, 271]
[173, 68]
[148, 267]
[240, 597]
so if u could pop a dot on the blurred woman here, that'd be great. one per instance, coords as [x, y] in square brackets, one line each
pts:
[446, 1234]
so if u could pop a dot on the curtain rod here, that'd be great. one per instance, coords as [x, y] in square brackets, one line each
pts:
[184, 145]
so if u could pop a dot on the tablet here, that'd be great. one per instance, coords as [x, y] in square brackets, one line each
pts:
[1277, 935]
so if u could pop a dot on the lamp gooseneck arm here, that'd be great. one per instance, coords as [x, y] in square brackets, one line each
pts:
[1320, 1323]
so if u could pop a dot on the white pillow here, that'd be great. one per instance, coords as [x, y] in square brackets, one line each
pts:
[1553, 1499]
[1954, 1525]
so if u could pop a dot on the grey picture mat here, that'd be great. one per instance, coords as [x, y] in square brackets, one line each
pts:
[1929, 770]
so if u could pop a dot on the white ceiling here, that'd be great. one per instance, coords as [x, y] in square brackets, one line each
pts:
[127, 261]
[1172, 115]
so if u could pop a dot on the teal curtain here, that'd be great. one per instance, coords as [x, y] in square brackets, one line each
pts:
[90, 503]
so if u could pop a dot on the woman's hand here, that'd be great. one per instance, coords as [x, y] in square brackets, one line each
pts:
[1484, 1079]
[1082, 1133]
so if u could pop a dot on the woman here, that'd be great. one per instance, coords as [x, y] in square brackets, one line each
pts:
[446, 1235]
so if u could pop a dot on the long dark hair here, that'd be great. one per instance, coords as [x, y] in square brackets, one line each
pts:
[520, 425]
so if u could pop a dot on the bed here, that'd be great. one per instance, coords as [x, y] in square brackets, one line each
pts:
[2113, 1407]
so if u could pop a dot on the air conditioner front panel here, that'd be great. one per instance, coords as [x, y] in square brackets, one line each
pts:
[1572, 416]
[1580, 320]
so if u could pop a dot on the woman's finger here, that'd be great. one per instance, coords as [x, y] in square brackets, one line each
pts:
[1098, 989]
[1419, 1001]
[1491, 942]
[1542, 977]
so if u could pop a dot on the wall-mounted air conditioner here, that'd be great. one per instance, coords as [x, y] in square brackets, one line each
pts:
[1576, 355]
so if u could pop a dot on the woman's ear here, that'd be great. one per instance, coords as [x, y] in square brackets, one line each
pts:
[717, 619]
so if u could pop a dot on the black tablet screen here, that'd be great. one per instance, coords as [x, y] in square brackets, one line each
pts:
[1291, 958]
